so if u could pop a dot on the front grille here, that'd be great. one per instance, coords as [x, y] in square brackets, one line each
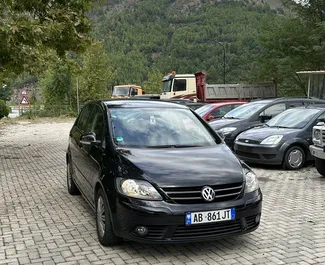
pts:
[323, 138]
[190, 195]
[248, 141]
[214, 229]
[246, 154]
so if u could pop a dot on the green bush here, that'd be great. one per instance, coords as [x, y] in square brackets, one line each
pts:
[4, 109]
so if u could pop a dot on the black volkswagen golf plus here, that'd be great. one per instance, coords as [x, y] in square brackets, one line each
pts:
[155, 172]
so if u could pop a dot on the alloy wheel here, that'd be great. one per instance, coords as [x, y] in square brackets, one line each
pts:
[101, 216]
[295, 158]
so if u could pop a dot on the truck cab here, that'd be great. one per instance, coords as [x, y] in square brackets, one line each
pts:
[126, 91]
[178, 86]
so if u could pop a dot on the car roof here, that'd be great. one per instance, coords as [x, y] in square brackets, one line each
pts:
[282, 99]
[132, 103]
[227, 103]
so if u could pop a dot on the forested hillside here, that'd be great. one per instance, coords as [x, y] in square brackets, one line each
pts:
[146, 39]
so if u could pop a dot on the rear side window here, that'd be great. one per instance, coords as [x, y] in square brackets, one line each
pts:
[295, 104]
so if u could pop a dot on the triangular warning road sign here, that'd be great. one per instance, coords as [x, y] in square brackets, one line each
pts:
[24, 101]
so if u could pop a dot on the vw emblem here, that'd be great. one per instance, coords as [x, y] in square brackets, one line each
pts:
[208, 194]
[246, 141]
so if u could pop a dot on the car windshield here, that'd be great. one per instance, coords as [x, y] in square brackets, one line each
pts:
[121, 91]
[244, 111]
[204, 110]
[159, 128]
[293, 118]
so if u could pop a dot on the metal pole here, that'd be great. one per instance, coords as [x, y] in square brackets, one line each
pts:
[309, 84]
[78, 106]
[224, 61]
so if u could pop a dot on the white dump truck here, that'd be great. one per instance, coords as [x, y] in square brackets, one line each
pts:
[318, 149]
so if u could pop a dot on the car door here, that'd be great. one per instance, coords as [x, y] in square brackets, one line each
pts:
[95, 151]
[77, 156]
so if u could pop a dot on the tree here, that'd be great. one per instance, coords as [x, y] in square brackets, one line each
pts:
[293, 43]
[30, 30]
[56, 84]
[96, 74]
[154, 83]
[4, 109]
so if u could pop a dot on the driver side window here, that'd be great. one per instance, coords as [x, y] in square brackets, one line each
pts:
[274, 110]
[82, 123]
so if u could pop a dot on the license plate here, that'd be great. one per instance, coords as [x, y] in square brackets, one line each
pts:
[210, 216]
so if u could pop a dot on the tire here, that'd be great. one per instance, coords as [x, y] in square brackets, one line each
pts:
[320, 166]
[72, 187]
[294, 158]
[105, 232]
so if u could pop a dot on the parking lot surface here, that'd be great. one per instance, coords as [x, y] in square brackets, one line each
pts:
[40, 223]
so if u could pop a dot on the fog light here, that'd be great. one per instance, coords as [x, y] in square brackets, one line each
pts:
[258, 218]
[141, 230]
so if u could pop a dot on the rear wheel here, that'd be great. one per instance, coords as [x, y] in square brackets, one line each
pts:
[105, 232]
[320, 166]
[294, 158]
[72, 187]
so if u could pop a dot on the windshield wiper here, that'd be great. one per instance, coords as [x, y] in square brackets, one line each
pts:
[280, 127]
[173, 146]
[231, 118]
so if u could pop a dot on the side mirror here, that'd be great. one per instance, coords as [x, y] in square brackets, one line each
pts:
[89, 139]
[264, 118]
[210, 118]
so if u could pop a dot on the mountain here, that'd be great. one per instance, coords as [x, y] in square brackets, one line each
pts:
[146, 38]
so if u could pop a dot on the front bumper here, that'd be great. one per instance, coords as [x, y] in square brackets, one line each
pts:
[271, 155]
[318, 152]
[166, 221]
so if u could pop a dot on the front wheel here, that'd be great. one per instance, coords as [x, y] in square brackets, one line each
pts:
[294, 158]
[320, 166]
[105, 232]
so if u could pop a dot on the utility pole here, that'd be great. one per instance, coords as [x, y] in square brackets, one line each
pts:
[78, 105]
[224, 61]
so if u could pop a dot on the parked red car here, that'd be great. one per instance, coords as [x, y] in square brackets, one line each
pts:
[213, 111]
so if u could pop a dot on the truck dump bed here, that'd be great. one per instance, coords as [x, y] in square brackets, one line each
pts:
[240, 91]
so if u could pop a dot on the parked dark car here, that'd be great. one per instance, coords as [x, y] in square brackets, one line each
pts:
[254, 114]
[214, 111]
[155, 172]
[284, 140]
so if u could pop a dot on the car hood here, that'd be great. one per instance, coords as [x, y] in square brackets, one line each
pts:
[259, 134]
[185, 167]
[218, 124]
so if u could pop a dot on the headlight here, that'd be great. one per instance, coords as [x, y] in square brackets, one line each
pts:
[138, 189]
[227, 130]
[251, 181]
[274, 139]
[317, 134]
